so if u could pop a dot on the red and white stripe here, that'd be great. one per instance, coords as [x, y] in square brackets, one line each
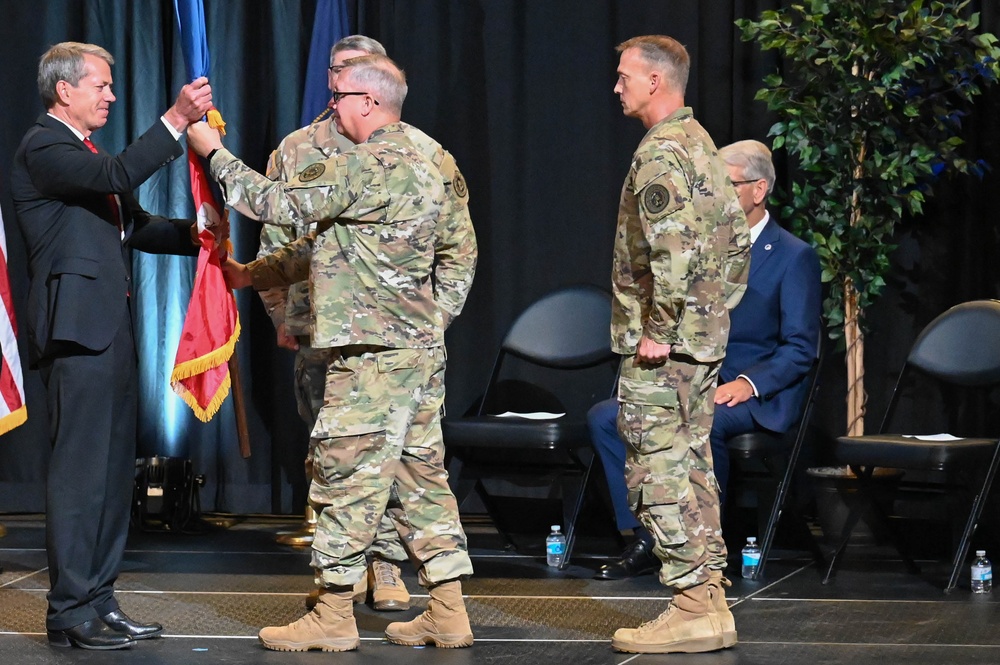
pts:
[13, 411]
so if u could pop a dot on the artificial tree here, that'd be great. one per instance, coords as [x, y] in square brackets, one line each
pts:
[869, 105]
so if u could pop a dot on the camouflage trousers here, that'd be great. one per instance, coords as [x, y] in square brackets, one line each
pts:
[665, 419]
[380, 429]
[310, 384]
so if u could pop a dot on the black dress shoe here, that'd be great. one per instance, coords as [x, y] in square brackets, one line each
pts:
[93, 634]
[637, 559]
[120, 622]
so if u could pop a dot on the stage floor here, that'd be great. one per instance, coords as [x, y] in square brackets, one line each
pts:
[213, 592]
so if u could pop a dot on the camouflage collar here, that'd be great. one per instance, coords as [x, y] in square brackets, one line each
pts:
[392, 127]
[683, 113]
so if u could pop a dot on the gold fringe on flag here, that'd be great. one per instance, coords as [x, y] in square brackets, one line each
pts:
[14, 419]
[206, 414]
[208, 361]
[200, 365]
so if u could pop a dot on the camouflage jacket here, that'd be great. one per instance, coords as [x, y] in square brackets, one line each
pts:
[305, 146]
[370, 259]
[455, 248]
[682, 244]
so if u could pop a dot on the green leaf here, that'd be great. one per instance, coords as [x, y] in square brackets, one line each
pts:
[868, 98]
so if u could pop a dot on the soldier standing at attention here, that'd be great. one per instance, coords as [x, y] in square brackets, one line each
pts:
[370, 265]
[680, 264]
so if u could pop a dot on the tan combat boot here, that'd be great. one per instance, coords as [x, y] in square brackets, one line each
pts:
[388, 591]
[444, 624]
[329, 627]
[717, 584]
[689, 625]
[360, 593]
[361, 589]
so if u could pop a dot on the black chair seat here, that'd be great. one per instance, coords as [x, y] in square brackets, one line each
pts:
[556, 357]
[960, 349]
[496, 432]
[752, 445]
[902, 452]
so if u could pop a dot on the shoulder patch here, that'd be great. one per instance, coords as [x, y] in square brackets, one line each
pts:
[312, 172]
[656, 198]
[460, 187]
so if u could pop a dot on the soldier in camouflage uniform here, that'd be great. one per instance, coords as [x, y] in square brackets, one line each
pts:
[680, 264]
[289, 309]
[378, 210]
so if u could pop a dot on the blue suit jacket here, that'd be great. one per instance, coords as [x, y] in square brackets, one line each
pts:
[775, 328]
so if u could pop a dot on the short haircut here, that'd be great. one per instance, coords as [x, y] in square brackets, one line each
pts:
[357, 43]
[64, 62]
[753, 157]
[665, 54]
[380, 77]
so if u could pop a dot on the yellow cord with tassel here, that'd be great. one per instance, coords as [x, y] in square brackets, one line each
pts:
[322, 115]
[215, 121]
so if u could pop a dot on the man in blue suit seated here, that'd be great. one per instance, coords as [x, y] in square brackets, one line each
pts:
[772, 344]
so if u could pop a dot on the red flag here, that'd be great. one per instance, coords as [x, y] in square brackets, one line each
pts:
[212, 325]
[13, 411]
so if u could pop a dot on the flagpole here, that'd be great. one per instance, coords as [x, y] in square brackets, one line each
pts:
[242, 431]
[204, 364]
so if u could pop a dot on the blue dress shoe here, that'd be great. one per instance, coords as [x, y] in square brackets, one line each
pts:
[637, 559]
[120, 622]
[93, 634]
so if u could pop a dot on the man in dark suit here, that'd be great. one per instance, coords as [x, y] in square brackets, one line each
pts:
[80, 222]
[773, 339]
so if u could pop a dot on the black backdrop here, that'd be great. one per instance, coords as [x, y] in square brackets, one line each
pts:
[521, 93]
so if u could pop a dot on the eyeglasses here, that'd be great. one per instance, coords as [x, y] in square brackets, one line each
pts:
[745, 182]
[337, 96]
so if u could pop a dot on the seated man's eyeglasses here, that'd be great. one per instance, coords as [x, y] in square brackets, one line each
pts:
[337, 96]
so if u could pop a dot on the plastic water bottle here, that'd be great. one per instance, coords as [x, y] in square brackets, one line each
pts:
[982, 573]
[751, 558]
[555, 547]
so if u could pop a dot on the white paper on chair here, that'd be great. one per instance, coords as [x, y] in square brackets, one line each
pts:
[933, 437]
[533, 415]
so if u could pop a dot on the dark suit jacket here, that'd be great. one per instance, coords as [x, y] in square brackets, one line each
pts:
[775, 329]
[80, 269]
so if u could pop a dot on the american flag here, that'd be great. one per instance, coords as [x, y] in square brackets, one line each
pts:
[13, 411]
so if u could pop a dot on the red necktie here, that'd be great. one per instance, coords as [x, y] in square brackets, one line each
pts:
[112, 200]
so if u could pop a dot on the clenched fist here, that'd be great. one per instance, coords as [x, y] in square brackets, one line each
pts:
[203, 139]
[193, 102]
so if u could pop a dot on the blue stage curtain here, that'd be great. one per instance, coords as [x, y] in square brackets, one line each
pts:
[258, 51]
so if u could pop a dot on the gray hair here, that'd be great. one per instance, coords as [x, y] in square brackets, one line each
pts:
[753, 157]
[665, 54]
[380, 77]
[357, 43]
[64, 62]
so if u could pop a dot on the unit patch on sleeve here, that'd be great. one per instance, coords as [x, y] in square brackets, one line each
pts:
[312, 172]
[460, 188]
[656, 198]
